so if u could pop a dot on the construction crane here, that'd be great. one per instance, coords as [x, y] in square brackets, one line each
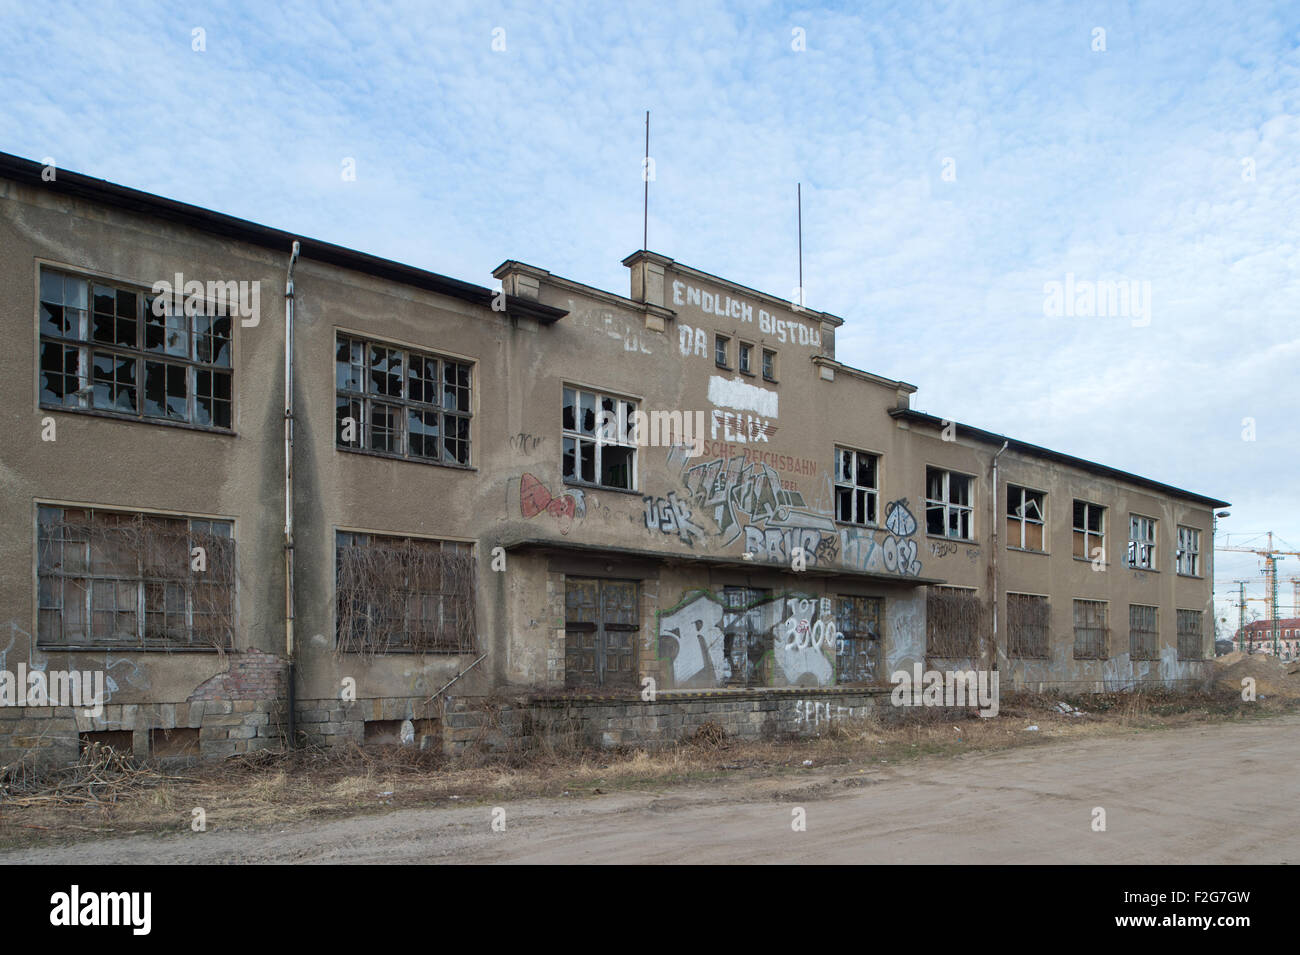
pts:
[1271, 557]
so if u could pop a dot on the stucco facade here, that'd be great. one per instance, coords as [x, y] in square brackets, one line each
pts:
[740, 574]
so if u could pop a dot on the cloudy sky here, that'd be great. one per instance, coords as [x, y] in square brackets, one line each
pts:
[955, 160]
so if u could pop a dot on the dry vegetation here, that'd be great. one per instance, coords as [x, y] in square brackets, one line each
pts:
[110, 794]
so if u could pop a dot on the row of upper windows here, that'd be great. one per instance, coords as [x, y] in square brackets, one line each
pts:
[117, 350]
[744, 357]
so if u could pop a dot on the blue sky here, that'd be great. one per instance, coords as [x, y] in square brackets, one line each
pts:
[1129, 163]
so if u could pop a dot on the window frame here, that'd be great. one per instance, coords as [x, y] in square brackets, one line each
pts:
[80, 343]
[722, 346]
[1136, 545]
[949, 507]
[1102, 642]
[871, 494]
[1182, 551]
[768, 368]
[1024, 521]
[1016, 641]
[745, 357]
[361, 402]
[464, 645]
[138, 580]
[1088, 534]
[625, 438]
[1186, 634]
[1154, 653]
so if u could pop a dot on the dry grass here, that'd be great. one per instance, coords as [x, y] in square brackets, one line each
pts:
[275, 788]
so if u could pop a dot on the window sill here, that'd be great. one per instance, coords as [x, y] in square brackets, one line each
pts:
[1030, 550]
[126, 648]
[398, 457]
[851, 524]
[1190, 576]
[955, 540]
[134, 419]
[748, 374]
[770, 381]
[1145, 570]
[600, 487]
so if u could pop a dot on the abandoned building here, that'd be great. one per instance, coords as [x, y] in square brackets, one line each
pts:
[269, 487]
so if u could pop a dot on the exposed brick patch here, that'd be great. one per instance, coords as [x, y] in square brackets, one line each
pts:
[254, 675]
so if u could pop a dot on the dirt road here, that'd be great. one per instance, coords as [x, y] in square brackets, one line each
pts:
[1219, 793]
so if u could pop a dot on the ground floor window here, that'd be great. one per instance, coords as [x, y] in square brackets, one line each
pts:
[601, 623]
[411, 594]
[1029, 618]
[1191, 646]
[954, 618]
[127, 580]
[858, 650]
[1091, 633]
[1143, 632]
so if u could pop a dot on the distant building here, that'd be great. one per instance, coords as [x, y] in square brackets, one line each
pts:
[1259, 636]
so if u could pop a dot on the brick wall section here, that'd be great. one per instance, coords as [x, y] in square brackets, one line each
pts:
[611, 722]
[254, 675]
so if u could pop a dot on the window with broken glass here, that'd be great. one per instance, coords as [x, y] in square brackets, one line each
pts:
[1188, 559]
[404, 594]
[1025, 518]
[1191, 642]
[1089, 530]
[857, 652]
[402, 403]
[747, 644]
[948, 504]
[599, 439]
[1029, 619]
[127, 580]
[118, 350]
[1091, 631]
[1142, 542]
[856, 487]
[1143, 632]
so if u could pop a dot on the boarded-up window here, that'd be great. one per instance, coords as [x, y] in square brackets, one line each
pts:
[1091, 632]
[1089, 531]
[404, 594]
[1143, 632]
[1029, 619]
[118, 579]
[746, 642]
[1191, 645]
[954, 620]
[857, 653]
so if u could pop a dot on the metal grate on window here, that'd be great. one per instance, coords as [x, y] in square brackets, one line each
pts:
[1091, 631]
[1191, 642]
[1143, 632]
[1029, 619]
[954, 618]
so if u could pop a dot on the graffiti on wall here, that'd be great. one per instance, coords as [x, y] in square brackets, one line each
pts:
[893, 552]
[671, 515]
[788, 640]
[535, 498]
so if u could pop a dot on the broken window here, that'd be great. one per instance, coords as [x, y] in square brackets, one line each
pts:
[404, 594]
[599, 439]
[721, 346]
[1091, 631]
[747, 644]
[403, 403]
[856, 486]
[1191, 645]
[1089, 530]
[948, 504]
[601, 621]
[1188, 559]
[1142, 542]
[1143, 632]
[1029, 620]
[954, 619]
[126, 580]
[769, 365]
[119, 350]
[1025, 518]
[746, 359]
[858, 650]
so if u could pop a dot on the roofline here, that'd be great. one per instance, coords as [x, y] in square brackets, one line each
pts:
[1033, 450]
[852, 372]
[80, 186]
[666, 261]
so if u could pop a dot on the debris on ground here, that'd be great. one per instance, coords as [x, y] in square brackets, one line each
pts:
[1069, 710]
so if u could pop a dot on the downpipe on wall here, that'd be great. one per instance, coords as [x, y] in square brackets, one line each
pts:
[288, 498]
[994, 564]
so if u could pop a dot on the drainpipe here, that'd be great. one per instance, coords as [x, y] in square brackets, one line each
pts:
[288, 497]
[994, 509]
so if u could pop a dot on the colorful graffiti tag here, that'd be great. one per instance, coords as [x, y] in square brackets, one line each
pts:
[534, 498]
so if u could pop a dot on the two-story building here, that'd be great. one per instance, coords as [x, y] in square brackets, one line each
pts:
[268, 492]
